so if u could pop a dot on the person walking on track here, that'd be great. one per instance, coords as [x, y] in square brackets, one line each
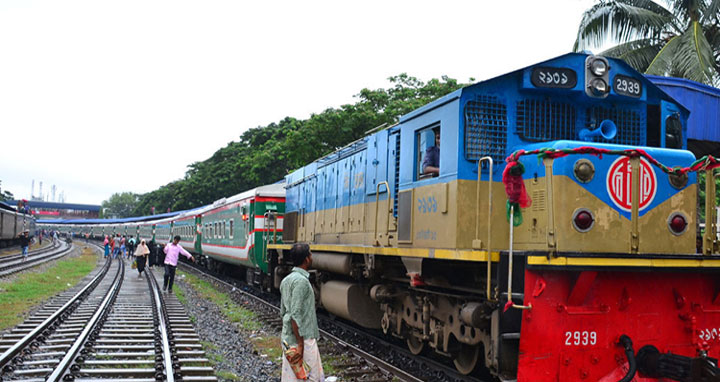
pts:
[123, 248]
[106, 244]
[25, 243]
[141, 254]
[172, 251]
[299, 322]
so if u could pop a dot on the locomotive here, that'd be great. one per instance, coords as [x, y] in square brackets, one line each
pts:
[540, 226]
[578, 263]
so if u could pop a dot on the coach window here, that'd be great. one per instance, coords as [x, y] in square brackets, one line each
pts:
[427, 147]
[224, 231]
[232, 225]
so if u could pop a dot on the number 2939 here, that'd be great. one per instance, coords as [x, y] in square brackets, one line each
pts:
[580, 338]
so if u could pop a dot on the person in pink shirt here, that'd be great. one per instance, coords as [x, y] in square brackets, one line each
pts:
[172, 251]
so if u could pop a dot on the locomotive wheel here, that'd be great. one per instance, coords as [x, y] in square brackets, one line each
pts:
[467, 358]
[415, 345]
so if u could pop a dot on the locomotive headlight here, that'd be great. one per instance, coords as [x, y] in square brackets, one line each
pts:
[598, 87]
[598, 67]
[597, 76]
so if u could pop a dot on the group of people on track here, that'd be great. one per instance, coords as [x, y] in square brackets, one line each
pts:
[150, 254]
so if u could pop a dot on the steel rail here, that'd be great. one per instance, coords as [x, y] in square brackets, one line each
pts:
[19, 265]
[8, 261]
[398, 373]
[32, 335]
[14, 256]
[167, 357]
[102, 310]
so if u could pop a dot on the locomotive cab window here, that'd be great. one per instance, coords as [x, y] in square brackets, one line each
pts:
[427, 146]
[673, 132]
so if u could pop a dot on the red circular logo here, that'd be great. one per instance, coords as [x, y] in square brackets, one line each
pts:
[619, 183]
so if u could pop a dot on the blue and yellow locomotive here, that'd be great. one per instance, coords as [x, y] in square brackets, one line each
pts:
[547, 270]
[577, 262]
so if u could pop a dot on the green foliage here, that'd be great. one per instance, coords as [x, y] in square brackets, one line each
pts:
[681, 41]
[265, 154]
[120, 205]
[5, 195]
[701, 194]
[243, 317]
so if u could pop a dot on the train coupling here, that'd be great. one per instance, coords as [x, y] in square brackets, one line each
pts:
[652, 363]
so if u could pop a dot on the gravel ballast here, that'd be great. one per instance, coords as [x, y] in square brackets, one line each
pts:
[228, 345]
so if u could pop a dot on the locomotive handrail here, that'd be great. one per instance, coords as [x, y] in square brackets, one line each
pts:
[377, 207]
[635, 204]
[510, 303]
[710, 235]
[477, 241]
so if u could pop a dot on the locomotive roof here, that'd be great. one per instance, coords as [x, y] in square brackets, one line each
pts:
[556, 60]
[703, 102]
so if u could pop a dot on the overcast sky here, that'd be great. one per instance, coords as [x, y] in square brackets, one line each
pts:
[98, 97]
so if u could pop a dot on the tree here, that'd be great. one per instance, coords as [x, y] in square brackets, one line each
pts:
[701, 193]
[682, 40]
[5, 195]
[120, 205]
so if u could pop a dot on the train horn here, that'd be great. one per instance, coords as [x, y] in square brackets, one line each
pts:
[607, 130]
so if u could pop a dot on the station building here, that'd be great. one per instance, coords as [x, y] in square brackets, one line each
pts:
[53, 210]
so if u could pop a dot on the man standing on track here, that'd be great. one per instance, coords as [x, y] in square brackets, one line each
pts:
[172, 251]
[297, 310]
[25, 243]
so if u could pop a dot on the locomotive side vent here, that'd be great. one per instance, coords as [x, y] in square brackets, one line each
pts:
[543, 120]
[538, 200]
[629, 124]
[396, 185]
[485, 129]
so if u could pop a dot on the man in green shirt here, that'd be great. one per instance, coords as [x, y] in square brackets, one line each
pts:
[297, 309]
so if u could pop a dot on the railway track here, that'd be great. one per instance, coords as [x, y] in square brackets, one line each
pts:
[15, 263]
[384, 362]
[116, 327]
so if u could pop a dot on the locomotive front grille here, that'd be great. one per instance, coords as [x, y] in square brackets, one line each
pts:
[543, 120]
[629, 124]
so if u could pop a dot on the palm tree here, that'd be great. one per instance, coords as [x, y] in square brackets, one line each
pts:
[680, 40]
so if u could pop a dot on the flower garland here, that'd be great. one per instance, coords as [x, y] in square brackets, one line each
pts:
[515, 187]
